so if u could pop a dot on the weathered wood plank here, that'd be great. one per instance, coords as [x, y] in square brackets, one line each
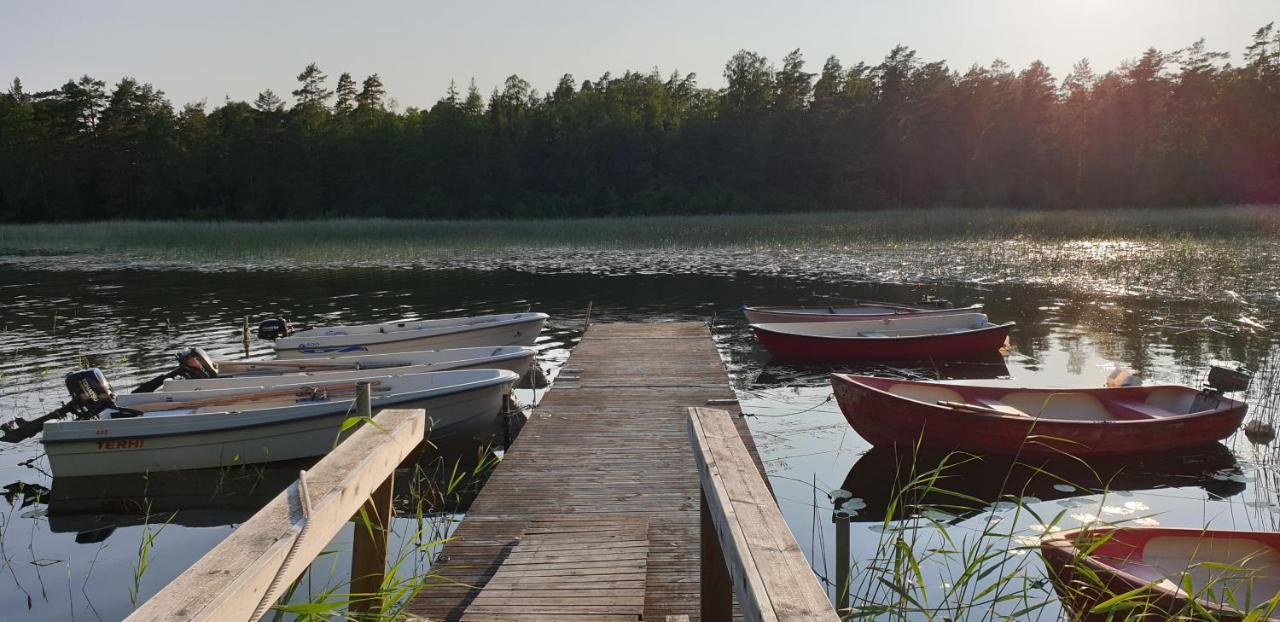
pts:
[616, 443]
[771, 577]
[230, 580]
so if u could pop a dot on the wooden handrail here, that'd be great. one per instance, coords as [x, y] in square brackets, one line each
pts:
[747, 547]
[249, 567]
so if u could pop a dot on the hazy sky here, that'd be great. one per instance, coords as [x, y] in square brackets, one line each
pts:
[209, 50]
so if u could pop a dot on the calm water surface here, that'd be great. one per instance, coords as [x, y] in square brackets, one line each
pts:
[73, 553]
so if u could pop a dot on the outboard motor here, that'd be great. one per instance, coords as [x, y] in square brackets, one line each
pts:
[274, 328]
[196, 364]
[936, 303]
[90, 395]
[1224, 380]
[193, 363]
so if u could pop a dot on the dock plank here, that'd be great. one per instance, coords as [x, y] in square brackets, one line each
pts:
[608, 439]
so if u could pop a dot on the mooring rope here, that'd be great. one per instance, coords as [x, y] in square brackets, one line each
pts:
[268, 597]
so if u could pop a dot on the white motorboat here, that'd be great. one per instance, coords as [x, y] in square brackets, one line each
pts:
[195, 366]
[512, 329]
[271, 421]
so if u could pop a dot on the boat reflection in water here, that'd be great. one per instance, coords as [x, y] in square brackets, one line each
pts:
[966, 484]
[93, 507]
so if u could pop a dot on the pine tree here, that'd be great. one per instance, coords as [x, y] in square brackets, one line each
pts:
[268, 101]
[346, 94]
[371, 94]
[16, 92]
[312, 91]
[475, 101]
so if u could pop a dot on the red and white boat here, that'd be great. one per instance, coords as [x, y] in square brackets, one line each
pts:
[909, 337]
[1018, 421]
[852, 311]
[1176, 573]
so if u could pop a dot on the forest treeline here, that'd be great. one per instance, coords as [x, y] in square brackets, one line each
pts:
[1187, 127]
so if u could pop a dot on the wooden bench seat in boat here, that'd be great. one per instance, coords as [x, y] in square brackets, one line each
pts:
[1228, 565]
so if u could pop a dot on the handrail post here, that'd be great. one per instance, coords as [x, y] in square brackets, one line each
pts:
[369, 550]
[369, 542]
[717, 590]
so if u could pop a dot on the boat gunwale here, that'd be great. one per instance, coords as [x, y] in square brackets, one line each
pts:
[899, 309]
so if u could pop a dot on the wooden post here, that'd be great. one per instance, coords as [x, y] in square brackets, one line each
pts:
[369, 550]
[587, 322]
[717, 591]
[506, 419]
[245, 333]
[369, 544]
[364, 397]
[842, 561]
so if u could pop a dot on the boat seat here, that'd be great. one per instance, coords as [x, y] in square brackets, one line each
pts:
[1170, 556]
[1144, 410]
[929, 394]
[1000, 406]
[1050, 405]
[1175, 401]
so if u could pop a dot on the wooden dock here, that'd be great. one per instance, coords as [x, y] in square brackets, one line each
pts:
[605, 454]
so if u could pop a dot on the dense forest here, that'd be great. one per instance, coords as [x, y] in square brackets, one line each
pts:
[1186, 127]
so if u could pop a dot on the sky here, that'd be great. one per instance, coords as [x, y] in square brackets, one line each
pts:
[234, 48]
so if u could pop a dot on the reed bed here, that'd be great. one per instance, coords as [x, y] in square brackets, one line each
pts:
[930, 563]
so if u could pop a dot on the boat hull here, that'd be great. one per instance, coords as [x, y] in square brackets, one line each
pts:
[523, 332]
[1243, 564]
[886, 420]
[520, 365]
[878, 311]
[107, 446]
[795, 347]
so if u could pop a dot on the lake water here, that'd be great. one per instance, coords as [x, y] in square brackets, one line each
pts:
[1082, 309]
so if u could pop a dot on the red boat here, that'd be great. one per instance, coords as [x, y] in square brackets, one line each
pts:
[852, 311]
[1016, 421]
[1176, 573]
[911, 337]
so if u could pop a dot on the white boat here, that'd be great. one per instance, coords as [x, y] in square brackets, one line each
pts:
[518, 359]
[327, 378]
[269, 422]
[856, 311]
[512, 329]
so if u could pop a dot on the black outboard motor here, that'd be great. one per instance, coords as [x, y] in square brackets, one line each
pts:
[274, 328]
[936, 303]
[1224, 380]
[193, 363]
[90, 395]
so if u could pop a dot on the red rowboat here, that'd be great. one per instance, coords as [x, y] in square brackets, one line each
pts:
[1016, 421]
[855, 311]
[911, 337]
[1228, 574]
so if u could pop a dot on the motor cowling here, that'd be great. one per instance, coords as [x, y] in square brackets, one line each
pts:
[196, 364]
[90, 391]
[1225, 379]
[274, 328]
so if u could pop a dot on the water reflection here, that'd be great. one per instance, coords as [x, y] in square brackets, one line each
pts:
[886, 479]
[1071, 332]
[94, 507]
